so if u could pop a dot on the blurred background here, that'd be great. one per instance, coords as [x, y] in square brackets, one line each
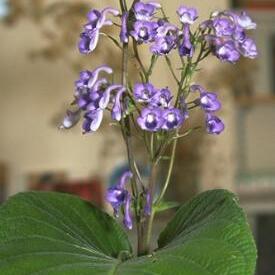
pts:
[38, 66]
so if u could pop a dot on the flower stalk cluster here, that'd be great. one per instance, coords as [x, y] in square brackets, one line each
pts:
[159, 114]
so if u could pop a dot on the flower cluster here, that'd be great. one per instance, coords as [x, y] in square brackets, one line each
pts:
[228, 37]
[93, 95]
[119, 197]
[209, 102]
[153, 109]
[91, 31]
[162, 35]
[158, 113]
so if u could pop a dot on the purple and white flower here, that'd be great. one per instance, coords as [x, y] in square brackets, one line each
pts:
[248, 48]
[214, 125]
[127, 220]
[187, 15]
[87, 79]
[118, 196]
[144, 92]
[228, 52]
[106, 96]
[162, 98]
[145, 11]
[243, 20]
[117, 109]
[173, 119]
[88, 84]
[92, 121]
[150, 119]
[208, 100]
[166, 38]
[144, 31]
[90, 35]
[224, 26]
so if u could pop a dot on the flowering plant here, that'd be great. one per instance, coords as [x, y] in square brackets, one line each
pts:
[208, 234]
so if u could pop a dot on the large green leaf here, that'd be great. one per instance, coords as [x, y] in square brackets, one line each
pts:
[208, 236]
[54, 233]
[60, 234]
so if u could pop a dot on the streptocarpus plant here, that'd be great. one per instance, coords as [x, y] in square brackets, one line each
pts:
[208, 235]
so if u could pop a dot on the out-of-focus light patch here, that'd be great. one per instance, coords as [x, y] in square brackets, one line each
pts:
[4, 8]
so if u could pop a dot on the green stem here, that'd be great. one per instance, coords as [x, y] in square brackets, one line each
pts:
[168, 61]
[136, 53]
[170, 169]
[149, 219]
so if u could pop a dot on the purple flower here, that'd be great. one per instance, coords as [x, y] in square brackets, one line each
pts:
[96, 20]
[106, 96]
[214, 125]
[83, 101]
[144, 31]
[81, 85]
[243, 20]
[127, 220]
[223, 26]
[187, 15]
[150, 119]
[87, 79]
[144, 92]
[228, 52]
[186, 48]
[208, 100]
[161, 98]
[163, 45]
[173, 119]
[88, 41]
[145, 11]
[92, 121]
[88, 85]
[124, 35]
[70, 120]
[166, 38]
[248, 48]
[117, 109]
[118, 196]
[239, 34]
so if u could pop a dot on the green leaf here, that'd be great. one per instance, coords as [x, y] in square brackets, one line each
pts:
[165, 205]
[208, 236]
[54, 233]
